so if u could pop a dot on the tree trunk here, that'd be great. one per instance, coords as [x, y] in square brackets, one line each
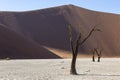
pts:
[93, 59]
[98, 59]
[73, 66]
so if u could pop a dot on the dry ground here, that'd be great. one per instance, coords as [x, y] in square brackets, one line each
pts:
[58, 69]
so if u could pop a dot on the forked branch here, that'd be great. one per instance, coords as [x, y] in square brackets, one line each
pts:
[90, 33]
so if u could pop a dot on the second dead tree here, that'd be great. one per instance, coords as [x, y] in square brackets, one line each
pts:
[98, 52]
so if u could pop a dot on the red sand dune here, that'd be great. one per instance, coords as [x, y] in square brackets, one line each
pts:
[24, 34]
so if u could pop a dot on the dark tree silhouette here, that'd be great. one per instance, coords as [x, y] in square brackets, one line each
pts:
[78, 43]
[93, 57]
[99, 53]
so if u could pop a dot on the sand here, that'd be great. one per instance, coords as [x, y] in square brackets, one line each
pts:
[22, 34]
[58, 69]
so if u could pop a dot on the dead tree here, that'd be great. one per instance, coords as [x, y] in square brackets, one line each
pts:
[99, 54]
[78, 43]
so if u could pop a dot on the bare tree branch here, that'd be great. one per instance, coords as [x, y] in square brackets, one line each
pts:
[90, 33]
[100, 52]
[71, 38]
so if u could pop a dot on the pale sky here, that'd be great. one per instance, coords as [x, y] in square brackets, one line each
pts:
[112, 6]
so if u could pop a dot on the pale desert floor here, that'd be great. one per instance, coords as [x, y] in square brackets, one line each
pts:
[58, 69]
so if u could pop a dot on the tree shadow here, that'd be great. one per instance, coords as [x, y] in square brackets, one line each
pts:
[97, 75]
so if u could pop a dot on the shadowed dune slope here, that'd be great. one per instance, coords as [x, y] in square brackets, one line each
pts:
[23, 34]
[15, 46]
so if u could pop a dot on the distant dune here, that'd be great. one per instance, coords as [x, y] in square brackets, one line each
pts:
[32, 34]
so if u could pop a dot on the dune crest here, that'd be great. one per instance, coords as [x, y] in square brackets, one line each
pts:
[25, 33]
